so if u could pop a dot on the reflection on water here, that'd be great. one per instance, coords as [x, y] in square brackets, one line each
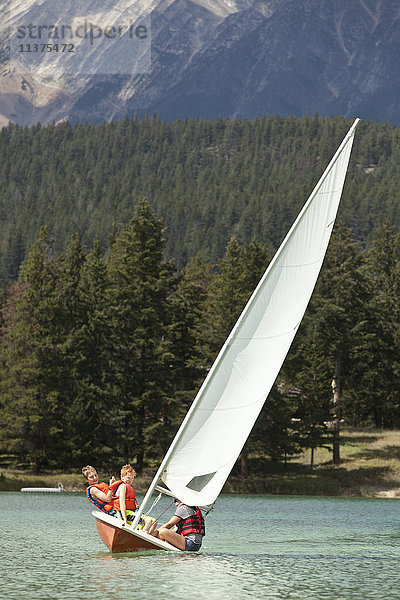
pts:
[255, 547]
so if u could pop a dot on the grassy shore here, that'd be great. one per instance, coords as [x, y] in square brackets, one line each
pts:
[370, 467]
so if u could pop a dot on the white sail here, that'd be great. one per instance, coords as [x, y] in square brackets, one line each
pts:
[231, 397]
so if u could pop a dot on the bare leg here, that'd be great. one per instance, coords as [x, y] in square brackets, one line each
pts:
[148, 522]
[176, 539]
[153, 529]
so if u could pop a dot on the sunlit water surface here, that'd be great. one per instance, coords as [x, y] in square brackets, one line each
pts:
[255, 547]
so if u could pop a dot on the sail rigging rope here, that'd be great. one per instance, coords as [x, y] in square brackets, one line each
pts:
[156, 501]
[165, 509]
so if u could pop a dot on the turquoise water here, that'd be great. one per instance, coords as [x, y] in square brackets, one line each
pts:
[255, 547]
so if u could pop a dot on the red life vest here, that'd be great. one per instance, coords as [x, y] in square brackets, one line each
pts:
[104, 506]
[192, 524]
[130, 499]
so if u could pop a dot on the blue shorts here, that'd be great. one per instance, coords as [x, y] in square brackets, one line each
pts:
[191, 546]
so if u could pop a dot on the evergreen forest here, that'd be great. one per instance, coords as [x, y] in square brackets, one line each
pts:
[128, 252]
[208, 180]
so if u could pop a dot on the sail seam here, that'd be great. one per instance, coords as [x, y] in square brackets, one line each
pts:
[230, 408]
[321, 192]
[268, 337]
[310, 264]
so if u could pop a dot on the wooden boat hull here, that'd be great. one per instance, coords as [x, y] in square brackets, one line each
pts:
[119, 538]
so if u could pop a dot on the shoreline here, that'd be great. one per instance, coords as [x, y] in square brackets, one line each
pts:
[369, 468]
[274, 485]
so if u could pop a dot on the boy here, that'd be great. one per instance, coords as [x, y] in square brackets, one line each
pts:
[125, 501]
[99, 493]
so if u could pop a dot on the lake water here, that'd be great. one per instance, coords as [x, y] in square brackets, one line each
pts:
[256, 547]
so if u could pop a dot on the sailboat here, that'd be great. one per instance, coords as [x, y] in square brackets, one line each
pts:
[228, 403]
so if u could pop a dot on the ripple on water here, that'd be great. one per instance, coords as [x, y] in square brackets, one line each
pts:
[256, 547]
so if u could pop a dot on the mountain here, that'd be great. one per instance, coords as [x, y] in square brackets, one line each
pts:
[209, 58]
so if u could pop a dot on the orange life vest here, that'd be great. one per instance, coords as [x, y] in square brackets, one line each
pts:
[104, 506]
[130, 499]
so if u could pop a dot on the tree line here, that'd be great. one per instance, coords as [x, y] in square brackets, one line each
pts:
[102, 351]
[208, 179]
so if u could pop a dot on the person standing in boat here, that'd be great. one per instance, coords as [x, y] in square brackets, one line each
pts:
[125, 501]
[99, 493]
[190, 526]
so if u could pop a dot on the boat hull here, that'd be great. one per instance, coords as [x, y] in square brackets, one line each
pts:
[119, 538]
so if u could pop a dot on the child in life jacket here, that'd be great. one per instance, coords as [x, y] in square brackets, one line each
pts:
[125, 501]
[99, 493]
[190, 527]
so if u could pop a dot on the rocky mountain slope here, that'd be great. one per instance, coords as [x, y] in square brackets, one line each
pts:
[208, 58]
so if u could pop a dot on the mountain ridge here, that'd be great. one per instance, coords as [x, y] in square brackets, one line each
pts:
[211, 58]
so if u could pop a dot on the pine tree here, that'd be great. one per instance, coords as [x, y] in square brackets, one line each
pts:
[378, 350]
[89, 413]
[32, 408]
[307, 376]
[140, 287]
[274, 435]
[189, 305]
[336, 312]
